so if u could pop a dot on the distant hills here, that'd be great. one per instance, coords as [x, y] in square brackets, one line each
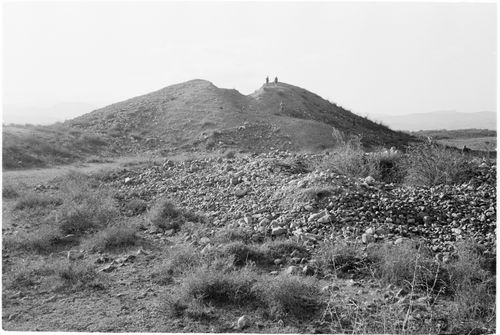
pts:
[44, 116]
[449, 120]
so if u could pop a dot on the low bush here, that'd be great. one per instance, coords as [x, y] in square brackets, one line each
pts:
[32, 200]
[87, 215]
[284, 248]
[410, 265]
[352, 162]
[164, 214]
[9, 191]
[341, 258]
[226, 235]
[46, 239]
[112, 238]
[292, 296]
[472, 285]
[427, 164]
[92, 140]
[179, 260]
[136, 206]
[89, 205]
[211, 286]
[244, 253]
[58, 275]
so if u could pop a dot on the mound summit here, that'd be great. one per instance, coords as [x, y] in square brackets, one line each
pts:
[198, 115]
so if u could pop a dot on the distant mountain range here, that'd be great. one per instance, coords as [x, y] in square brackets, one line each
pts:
[44, 115]
[449, 120]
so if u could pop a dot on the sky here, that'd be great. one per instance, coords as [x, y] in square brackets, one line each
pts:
[371, 58]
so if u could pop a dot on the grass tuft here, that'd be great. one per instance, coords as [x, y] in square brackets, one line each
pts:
[9, 191]
[435, 164]
[293, 296]
[45, 240]
[112, 238]
[164, 214]
[33, 200]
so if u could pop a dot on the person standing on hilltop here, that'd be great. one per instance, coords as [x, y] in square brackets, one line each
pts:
[267, 80]
[275, 80]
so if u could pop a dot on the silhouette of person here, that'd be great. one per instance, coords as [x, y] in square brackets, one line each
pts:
[267, 80]
[275, 80]
[282, 106]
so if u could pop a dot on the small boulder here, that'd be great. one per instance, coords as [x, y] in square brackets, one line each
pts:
[204, 240]
[292, 270]
[243, 322]
[278, 231]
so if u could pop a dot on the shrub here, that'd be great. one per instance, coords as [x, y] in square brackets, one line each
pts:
[33, 200]
[212, 286]
[115, 237]
[88, 207]
[9, 191]
[230, 154]
[341, 258]
[73, 275]
[284, 248]
[136, 206]
[46, 239]
[180, 259]
[77, 275]
[92, 140]
[473, 287]
[226, 235]
[89, 214]
[26, 274]
[294, 296]
[408, 264]
[165, 215]
[353, 162]
[434, 164]
[244, 253]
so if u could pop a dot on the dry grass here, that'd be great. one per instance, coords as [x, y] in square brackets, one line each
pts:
[57, 274]
[44, 240]
[290, 296]
[31, 200]
[244, 253]
[410, 265]
[9, 191]
[113, 238]
[88, 207]
[179, 260]
[164, 214]
[434, 164]
[341, 259]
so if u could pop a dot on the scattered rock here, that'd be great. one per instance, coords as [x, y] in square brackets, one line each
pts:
[292, 270]
[278, 231]
[243, 322]
[204, 240]
[108, 268]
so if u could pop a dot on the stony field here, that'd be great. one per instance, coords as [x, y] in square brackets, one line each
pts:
[264, 243]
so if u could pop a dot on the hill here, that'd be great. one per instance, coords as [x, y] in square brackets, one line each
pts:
[450, 120]
[199, 114]
[196, 116]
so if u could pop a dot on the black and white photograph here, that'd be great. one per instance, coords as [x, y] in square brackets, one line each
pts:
[292, 167]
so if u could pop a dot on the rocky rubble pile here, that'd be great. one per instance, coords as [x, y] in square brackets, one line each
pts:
[268, 194]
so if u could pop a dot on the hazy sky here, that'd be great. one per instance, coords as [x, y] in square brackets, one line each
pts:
[371, 58]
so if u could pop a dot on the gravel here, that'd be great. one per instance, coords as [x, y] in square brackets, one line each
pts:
[273, 197]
